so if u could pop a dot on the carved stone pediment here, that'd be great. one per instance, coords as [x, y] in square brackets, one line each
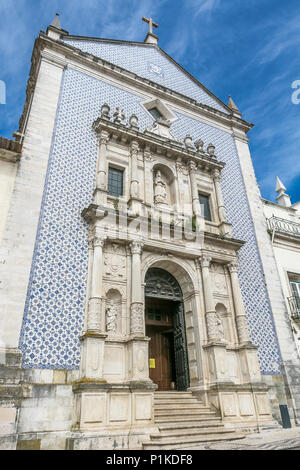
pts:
[161, 284]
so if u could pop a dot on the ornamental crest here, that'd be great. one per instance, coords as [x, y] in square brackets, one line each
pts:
[115, 261]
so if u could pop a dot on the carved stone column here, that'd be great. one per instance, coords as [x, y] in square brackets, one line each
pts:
[93, 339]
[220, 202]
[90, 269]
[135, 197]
[95, 300]
[134, 187]
[213, 332]
[194, 187]
[148, 176]
[240, 316]
[101, 178]
[250, 369]
[216, 347]
[225, 226]
[137, 323]
[138, 344]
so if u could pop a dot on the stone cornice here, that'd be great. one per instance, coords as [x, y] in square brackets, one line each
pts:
[289, 238]
[171, 149]
[10, 150]
[106, 68]
[214, 245]
[35, 63]
[275, 204]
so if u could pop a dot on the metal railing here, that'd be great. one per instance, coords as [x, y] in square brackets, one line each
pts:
[294, 302]
[276, 224]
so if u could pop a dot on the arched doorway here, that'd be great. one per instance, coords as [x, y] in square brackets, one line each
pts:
[165, 326]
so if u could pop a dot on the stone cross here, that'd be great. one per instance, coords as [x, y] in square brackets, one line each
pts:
[151, 23]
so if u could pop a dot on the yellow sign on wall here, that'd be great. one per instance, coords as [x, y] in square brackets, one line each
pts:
[152, 363]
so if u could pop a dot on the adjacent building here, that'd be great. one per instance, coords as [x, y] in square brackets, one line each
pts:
[283, 222]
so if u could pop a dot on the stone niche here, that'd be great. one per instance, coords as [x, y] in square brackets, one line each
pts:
[164, 191]
[113, 312]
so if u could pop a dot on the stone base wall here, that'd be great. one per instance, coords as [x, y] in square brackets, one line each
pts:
[279, 393]
[122, 439]
[244, 406]
[37, 410]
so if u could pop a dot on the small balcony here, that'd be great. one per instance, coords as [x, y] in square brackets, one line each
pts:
[283, 226]
[294, 302]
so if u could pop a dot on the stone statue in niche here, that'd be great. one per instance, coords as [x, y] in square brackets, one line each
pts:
[220, 326]
[111, 317]
[160, 189]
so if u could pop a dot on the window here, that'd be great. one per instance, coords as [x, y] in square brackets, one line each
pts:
[115, 182]
[294, 300]
[155, 113]
[205, 207]
[295, 286]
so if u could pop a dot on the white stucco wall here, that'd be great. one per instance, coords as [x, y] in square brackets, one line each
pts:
[287, 255]
[18, 238]
[8, 172]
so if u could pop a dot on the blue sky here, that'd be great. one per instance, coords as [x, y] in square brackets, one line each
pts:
[249, 49]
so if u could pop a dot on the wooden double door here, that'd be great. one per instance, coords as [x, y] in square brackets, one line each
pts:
[159, 328]
[165, 326]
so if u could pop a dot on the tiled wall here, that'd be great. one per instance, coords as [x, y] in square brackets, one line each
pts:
[54, 310]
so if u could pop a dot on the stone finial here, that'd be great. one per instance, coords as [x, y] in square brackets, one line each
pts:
[282, 198]
[235, 110]
[134, 121]
[119, 116]
[105, 110]
[54, 30]
[188, 141]
[280, 188]
[211, 150]
[56, 23]
[199, 145]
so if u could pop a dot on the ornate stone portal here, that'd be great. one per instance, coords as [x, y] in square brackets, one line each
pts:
[213, 354]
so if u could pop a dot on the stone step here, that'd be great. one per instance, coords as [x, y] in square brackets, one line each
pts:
[205, 431]
[172, 395]
[217, 423]
[183, 442]
[177, 400]
[182, 406]
[178, 403]
[173, 391]
[183, 419]
[183, 412]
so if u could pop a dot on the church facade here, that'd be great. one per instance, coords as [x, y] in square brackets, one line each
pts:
[132, 257]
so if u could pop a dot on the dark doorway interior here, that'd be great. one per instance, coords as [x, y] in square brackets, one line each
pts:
[160, 315]
[165, 326]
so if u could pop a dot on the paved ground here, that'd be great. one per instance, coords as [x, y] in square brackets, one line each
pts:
[279, 439]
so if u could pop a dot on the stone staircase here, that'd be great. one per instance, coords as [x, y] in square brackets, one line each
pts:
[183, 422]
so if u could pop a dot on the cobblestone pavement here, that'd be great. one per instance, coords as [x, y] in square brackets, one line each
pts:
[279, 439]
